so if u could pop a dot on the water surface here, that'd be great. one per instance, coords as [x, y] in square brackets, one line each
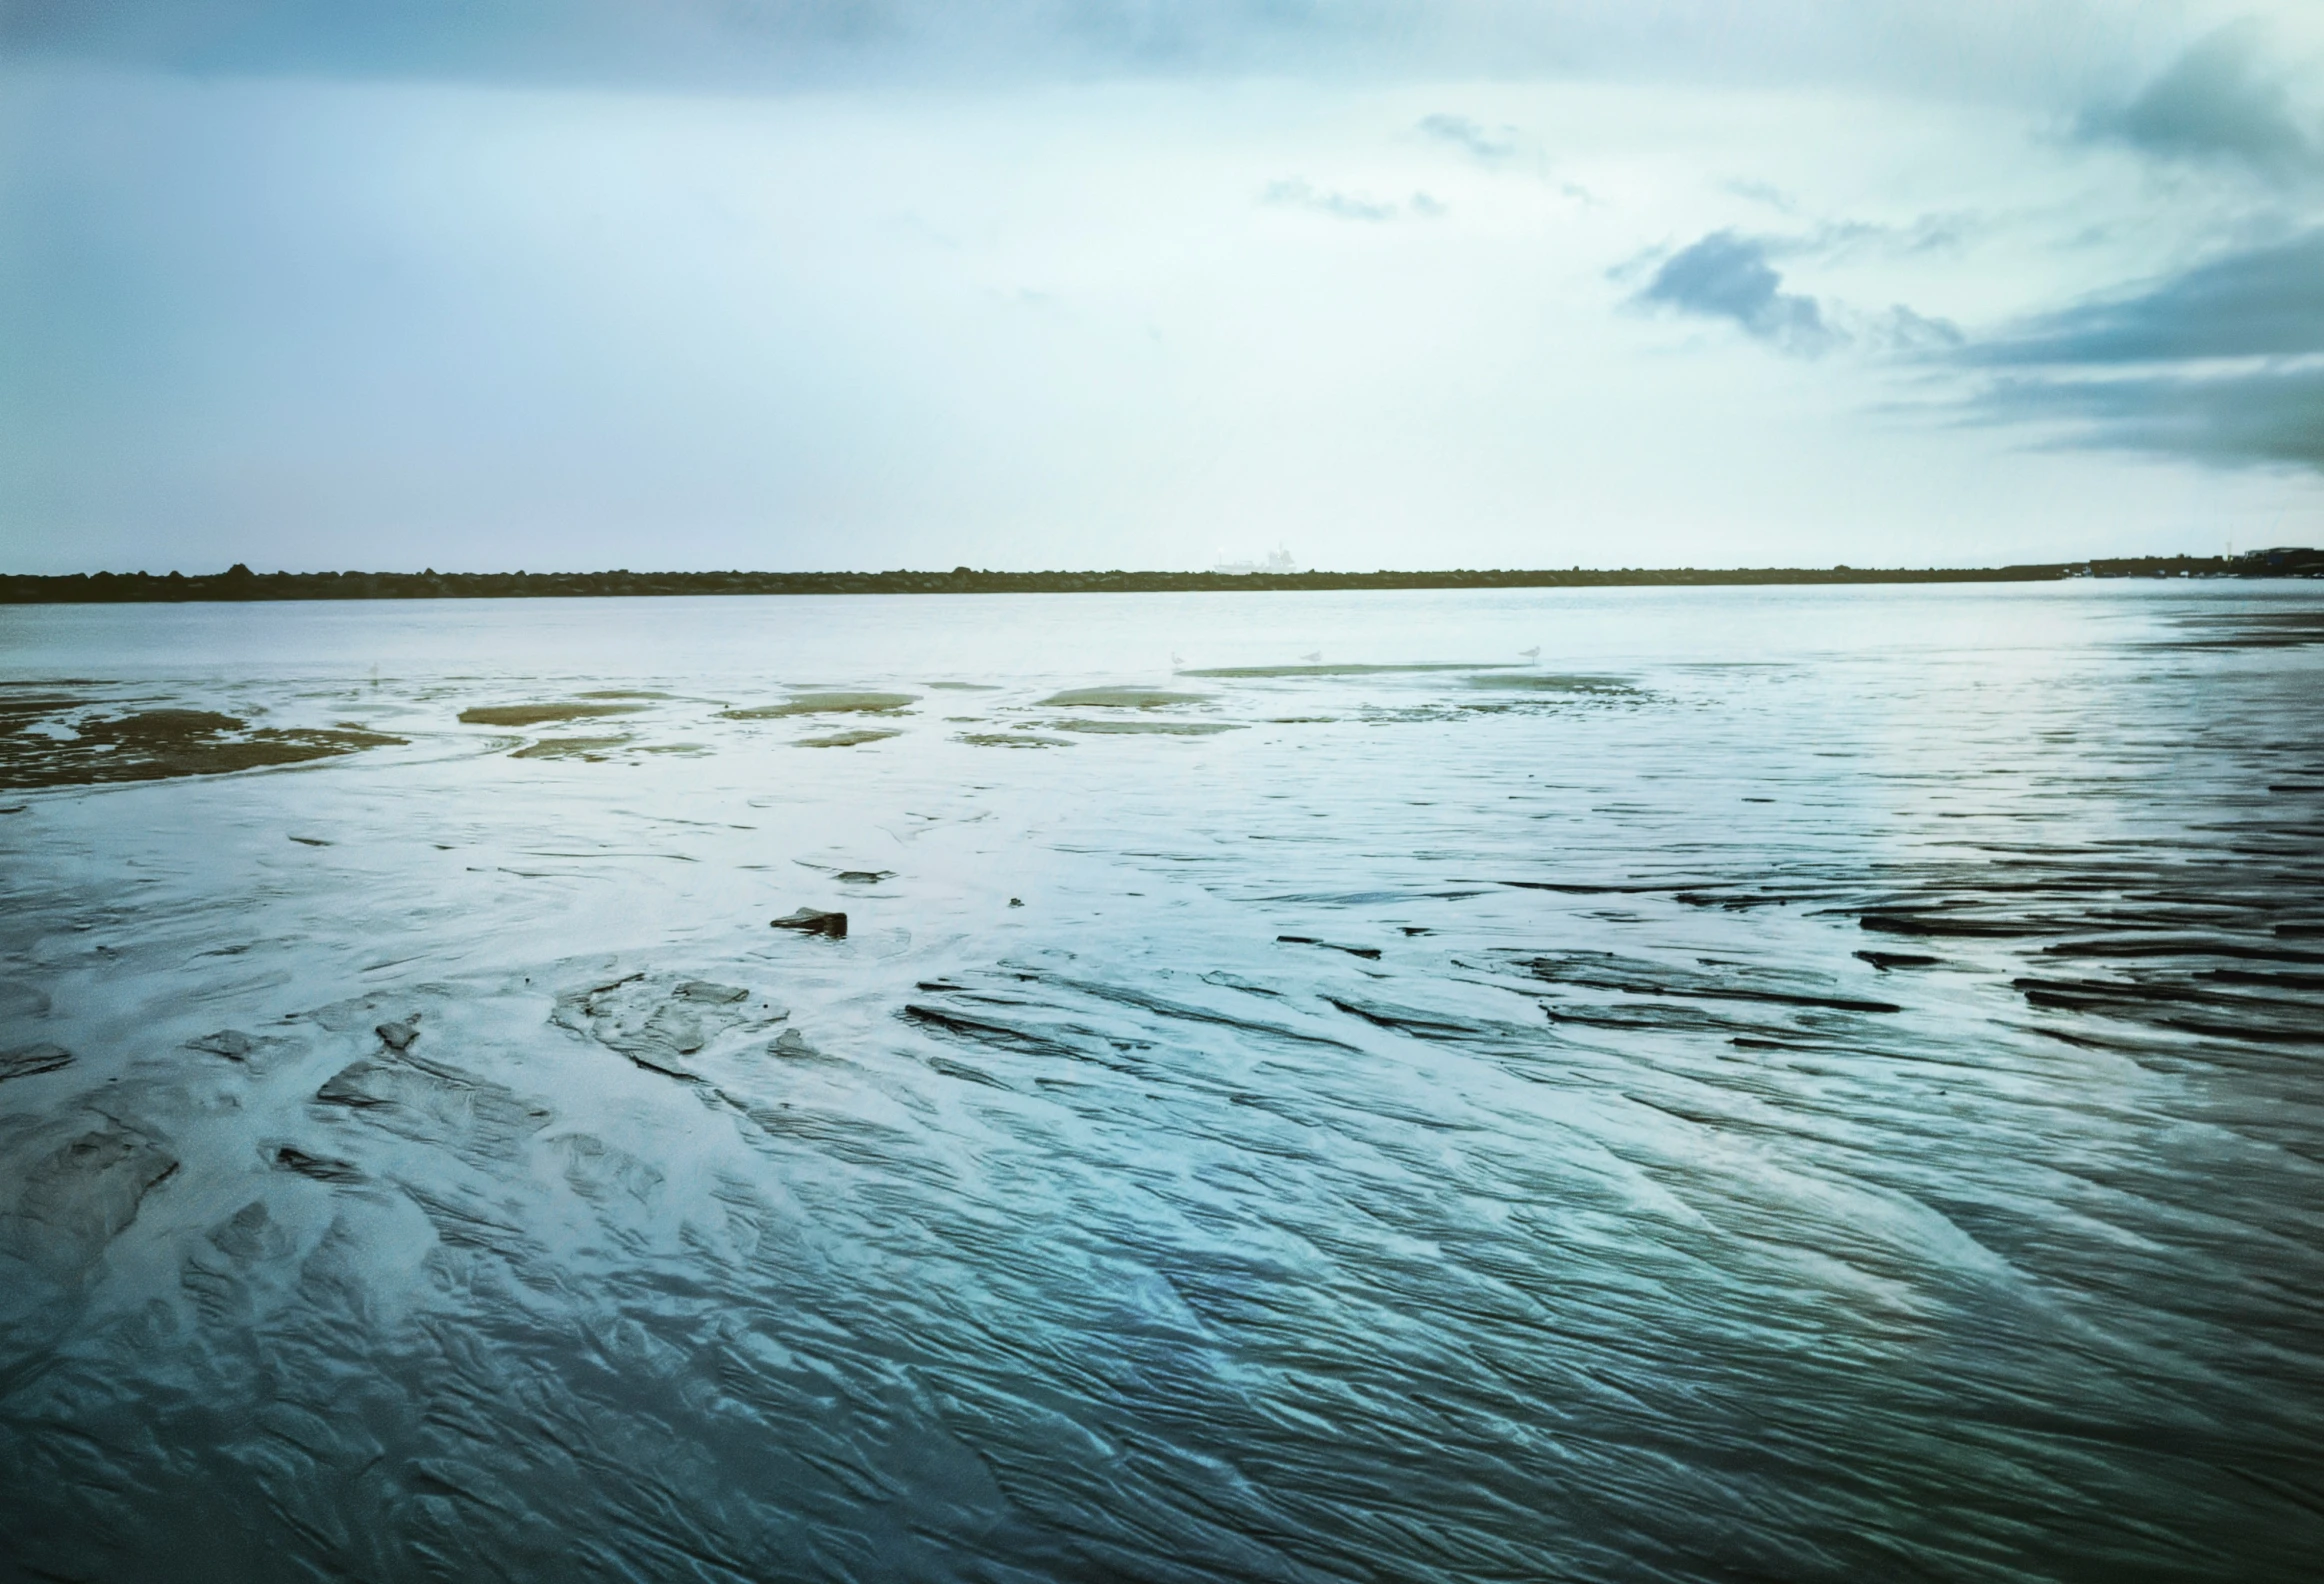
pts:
[1609, 1085]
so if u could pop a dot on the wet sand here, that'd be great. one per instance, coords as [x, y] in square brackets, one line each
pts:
[1818, 1092]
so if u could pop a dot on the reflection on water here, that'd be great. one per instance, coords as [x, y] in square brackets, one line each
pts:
[1787, 1084]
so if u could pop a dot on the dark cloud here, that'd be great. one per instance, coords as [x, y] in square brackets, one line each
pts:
[1489, 144]
[2216, 363]
[2262, 302]
[2216, 103]
[1293, 193]
[1727, 276]
[2265, 416]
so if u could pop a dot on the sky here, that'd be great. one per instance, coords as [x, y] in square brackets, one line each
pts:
[807, 284]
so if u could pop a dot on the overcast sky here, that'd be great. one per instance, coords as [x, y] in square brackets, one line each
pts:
[556, 284]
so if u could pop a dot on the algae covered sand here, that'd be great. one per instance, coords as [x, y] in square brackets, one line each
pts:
[59, 741]
[1106, 727]
[542, 714]
[1141, 698]
[1539, 682]
[569, 748]
[827, 703]
[1011, 740]
[1267, 672]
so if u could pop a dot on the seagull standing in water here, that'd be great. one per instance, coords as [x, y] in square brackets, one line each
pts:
[1533, 653]
[1318, 655]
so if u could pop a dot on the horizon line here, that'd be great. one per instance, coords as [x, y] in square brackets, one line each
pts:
[240, 583]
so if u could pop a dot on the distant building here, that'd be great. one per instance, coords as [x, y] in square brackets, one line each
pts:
[2282, 561]
[1279, 563]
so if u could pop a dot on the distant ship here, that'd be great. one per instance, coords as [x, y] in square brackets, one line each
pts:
[1278, 563]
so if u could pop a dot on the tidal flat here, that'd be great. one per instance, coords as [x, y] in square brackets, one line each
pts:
[1601, 1084]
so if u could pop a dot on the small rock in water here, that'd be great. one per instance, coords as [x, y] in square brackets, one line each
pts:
[792, 1043]
[398, 1037]
[715, 994]
[1016, 901]
[1370, 952]
[320, 1168]
[813, 921]
[866, 876]
[1887, 960]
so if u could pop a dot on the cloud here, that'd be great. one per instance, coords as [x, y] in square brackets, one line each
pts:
[1837, 239]
[1761, 192]
[1490, 145]
[1295, 193]
[1902, 330]
[2223, 362]
[2263, 416]
[2261, 302]
[2033, 52]
[2214, 104]
[1727, 276]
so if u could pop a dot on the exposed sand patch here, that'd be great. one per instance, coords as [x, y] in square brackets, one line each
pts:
[1120, 698]
[1010, 740]
[1537, 682]
[660, 1023]
[1340, 670]
[28, 1061]
[569, 748]
[826, 704]
[539, 714]
[37, 749]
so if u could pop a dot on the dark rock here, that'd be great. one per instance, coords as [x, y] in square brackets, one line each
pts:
[1370, 953]
[315, 1166]
[398, 1037]
[1887, 960]
[813, 921]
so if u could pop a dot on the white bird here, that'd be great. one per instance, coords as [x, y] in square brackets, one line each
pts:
[1318, 655]
[1176, 659]
[1533, 653]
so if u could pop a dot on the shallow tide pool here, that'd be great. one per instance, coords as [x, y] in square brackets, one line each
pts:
[1808, 1084]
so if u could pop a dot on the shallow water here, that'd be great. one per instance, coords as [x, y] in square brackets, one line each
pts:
[1803, 1084]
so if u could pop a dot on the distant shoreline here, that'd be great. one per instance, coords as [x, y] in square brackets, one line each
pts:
[241, 584]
